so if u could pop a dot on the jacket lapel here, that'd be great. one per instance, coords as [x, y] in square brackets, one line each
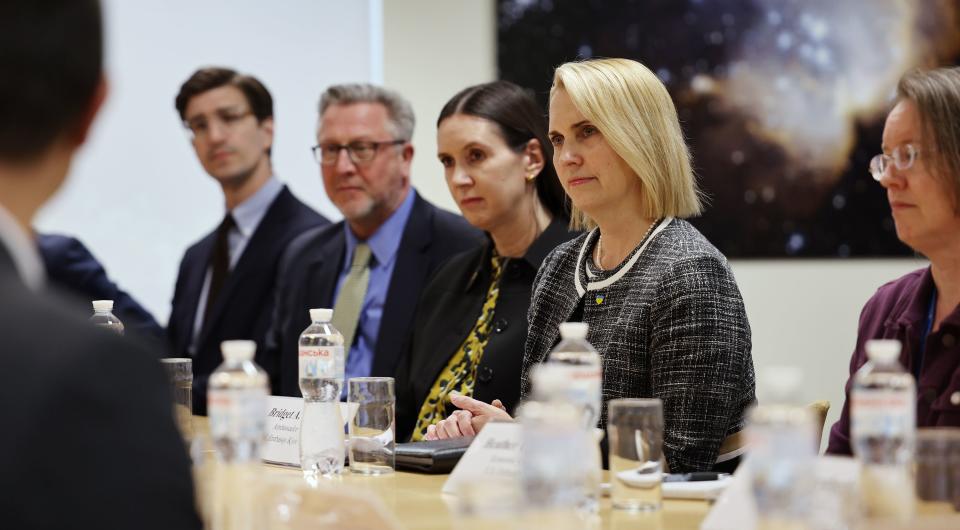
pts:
[413, 263]
[323, 272]
[194, 272]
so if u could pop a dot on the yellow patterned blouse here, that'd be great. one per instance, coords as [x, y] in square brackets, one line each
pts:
[460, 373]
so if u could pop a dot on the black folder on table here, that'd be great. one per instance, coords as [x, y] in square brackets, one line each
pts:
[434, 456]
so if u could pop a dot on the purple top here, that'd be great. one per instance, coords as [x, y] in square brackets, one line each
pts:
[898, 311]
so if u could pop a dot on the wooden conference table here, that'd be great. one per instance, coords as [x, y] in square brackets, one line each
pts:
[414, 501]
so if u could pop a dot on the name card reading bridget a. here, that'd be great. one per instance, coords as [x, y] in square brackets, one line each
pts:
[282, 444]
[494, 454]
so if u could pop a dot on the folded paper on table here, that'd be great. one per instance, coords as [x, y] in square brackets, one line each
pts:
[735, 510]
[282, 444]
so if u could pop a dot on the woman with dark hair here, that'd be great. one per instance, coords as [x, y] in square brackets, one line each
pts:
[471, 321]
[663, 308]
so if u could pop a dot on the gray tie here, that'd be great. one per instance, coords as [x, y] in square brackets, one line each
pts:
[346, 312]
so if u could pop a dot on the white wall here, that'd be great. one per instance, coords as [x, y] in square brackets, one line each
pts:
[802, 312]
[432, 50]
[138, 196]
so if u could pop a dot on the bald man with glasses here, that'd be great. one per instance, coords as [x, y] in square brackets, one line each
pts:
[371, 267]
[225, 288]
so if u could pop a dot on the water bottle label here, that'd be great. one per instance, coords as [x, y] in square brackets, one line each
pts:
[237, 413]
[321, 362]
[882, 412]
[584, 388]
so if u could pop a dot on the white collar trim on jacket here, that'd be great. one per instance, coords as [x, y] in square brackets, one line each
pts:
[592, 286]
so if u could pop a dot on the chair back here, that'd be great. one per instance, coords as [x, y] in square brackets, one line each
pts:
[820, 409]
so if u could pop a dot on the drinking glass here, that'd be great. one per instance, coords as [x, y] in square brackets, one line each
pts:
[938, 462]
[180, 374]
[371, 429]
[635, 433]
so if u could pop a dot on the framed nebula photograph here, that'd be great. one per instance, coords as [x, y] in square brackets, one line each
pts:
[782, 101]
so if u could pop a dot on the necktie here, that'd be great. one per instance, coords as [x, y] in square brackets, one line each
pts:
[346, 311]
[220, 263]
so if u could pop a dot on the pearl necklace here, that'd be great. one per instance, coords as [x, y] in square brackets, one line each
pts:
[642, 239]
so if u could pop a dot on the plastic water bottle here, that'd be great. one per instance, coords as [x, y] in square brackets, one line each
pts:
[883, 426]
[236, 406]
[103, 316]
[578, 372]
[783, 448]
[555, 465]
[321, 382]
[571, 378]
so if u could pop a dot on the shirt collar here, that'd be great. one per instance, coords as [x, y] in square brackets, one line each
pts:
[248, 214]
[386, 240]
[23, 251]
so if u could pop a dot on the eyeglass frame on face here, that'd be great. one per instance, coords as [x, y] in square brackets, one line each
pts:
[881, 162]
[319, 151]
[228, 117]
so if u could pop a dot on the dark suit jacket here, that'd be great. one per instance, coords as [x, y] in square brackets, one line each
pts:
[89, 437]
[71, 267]
[244, 306]
[447, 312]
[308, 277]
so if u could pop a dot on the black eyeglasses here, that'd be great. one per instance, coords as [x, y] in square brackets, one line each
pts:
[361, 152]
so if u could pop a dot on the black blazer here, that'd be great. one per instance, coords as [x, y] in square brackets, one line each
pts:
[70, 266]
[448, 310]
[243, 309]
[89, 436]
[308, 277]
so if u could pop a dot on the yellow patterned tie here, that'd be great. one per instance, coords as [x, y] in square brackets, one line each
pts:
[346, 312]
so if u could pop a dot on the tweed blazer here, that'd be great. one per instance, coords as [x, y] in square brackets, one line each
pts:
[669, 322]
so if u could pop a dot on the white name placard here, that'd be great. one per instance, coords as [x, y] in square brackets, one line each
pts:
[282, 444]
[493, 455]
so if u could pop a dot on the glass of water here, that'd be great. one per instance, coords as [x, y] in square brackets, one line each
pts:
[180, 374]
[371, 429]
[635, 434]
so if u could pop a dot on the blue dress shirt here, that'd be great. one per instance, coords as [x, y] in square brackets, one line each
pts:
[383, 244]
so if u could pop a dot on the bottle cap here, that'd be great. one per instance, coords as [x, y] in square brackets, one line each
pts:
[321, 315]
[574, 330]
[103, 305]
[883, 350]
[238, 350]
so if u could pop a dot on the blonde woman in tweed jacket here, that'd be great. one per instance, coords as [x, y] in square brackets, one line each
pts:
[664, 309]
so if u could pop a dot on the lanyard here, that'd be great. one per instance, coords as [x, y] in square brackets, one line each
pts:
[927, 328]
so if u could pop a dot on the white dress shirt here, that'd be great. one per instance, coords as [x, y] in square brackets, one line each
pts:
[23, 250]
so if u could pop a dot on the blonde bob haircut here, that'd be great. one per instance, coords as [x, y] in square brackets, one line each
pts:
[634, 112]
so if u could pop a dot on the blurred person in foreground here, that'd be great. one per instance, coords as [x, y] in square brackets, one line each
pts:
[471, 322]
[920, 169]
[90, 440]
[664, 310]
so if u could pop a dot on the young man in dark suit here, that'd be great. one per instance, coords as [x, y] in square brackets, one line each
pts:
[370, 267]
[89, 439]
[225, 288]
